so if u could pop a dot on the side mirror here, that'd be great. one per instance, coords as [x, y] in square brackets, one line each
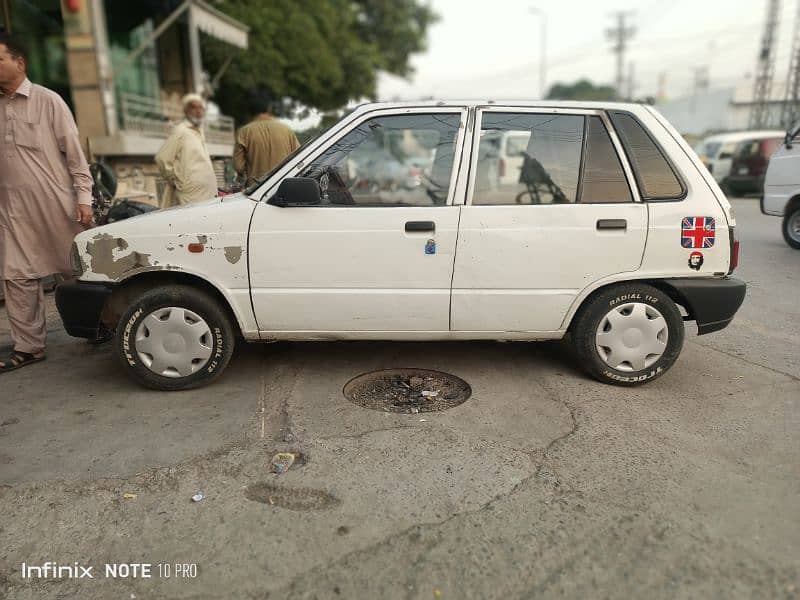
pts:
[787, 140]
[297, 191]
[725, 155]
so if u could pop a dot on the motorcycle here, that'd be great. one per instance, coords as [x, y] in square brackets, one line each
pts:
[105, 208]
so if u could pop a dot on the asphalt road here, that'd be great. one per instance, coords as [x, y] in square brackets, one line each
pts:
[543, 484]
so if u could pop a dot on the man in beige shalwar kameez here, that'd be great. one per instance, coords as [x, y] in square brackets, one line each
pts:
[184, 161]
[45, 198]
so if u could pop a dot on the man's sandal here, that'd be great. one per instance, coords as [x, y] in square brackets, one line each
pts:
[17, 360]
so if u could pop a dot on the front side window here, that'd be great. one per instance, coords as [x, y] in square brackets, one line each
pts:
[541, 164]
[655, 176]
[403, 160]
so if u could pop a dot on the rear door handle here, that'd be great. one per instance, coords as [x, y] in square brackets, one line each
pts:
[420, 226]
[612, 224]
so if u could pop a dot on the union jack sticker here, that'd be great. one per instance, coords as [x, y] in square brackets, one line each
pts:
[698, 232]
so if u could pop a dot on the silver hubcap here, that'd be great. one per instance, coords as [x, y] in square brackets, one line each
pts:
[793, 226]
[173, 342]
[631, 337]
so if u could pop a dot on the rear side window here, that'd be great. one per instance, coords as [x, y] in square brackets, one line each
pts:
[603, 178]
[655, 176]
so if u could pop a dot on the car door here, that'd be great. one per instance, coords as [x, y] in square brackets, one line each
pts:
[377, 253]
[527, 249]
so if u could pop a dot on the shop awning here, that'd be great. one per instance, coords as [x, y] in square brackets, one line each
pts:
[217, 24]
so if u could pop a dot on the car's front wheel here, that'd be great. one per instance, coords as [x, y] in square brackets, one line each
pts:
[174, 338]
[628, 334]
[791, 227]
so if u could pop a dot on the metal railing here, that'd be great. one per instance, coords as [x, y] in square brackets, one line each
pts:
[153, 118]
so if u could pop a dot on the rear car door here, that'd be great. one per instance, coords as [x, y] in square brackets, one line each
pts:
[527, 249]
[377, 254]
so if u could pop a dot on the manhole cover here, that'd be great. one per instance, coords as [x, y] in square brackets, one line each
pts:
[291, 498]
[407, 390]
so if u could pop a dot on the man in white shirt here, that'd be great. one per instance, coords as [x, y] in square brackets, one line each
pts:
[184, 160]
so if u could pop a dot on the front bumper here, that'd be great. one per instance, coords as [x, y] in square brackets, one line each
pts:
[712, 303]
[80, 304]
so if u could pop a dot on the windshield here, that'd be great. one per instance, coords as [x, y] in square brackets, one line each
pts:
[712, 149]
[251, 190]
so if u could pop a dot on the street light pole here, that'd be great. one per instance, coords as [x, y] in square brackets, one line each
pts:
[543, 52]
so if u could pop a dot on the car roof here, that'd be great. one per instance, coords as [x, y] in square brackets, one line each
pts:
[629, 106]
[740, 136]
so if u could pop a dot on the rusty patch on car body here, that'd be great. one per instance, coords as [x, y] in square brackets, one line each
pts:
[104, 250]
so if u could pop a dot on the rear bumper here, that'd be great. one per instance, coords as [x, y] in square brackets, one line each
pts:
[80, 304]
[712, 303]
[745, 184]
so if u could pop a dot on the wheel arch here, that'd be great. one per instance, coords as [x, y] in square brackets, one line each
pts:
[792, 204]
[123, 293]
[662, 285]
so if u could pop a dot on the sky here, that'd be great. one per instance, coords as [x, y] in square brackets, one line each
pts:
[491, 49]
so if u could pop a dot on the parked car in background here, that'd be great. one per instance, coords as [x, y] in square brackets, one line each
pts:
[781, 197]
[749, 165]
[717, 151]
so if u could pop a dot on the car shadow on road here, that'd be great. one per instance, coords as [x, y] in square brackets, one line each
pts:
[547, 357]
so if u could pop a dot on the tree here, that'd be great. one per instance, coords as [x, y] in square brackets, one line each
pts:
[582, 89]
[318, 53]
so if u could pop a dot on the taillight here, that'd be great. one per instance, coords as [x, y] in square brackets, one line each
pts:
[734, 250]
[501, 167]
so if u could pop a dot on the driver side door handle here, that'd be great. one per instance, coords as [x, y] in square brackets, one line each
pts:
[420, 227]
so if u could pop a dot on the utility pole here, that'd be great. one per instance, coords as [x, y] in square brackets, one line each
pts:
[699, 85]
[790, 111]
[619, 35]
[543, 52]
[701, 79]
[661, 91]
[765, 67]
[631, 81]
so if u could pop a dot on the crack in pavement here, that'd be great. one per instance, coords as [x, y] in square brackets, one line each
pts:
[486, 506]
[747, 361]
[363, 434]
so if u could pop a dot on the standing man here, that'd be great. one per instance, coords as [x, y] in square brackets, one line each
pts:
[184, 159]
[262, 144]
[45, 198]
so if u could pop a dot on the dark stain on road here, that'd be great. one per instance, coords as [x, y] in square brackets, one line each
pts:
[293, 498]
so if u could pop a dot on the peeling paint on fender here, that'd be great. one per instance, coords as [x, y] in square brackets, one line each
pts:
[233, 254]
[104, 251]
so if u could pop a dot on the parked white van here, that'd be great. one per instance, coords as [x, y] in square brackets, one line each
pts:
[781, 197]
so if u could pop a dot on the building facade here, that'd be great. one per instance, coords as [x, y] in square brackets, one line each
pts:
[123, 67]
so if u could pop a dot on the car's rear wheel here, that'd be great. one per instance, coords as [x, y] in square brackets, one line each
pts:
[174, 338]
[791, 227]
[628, 334]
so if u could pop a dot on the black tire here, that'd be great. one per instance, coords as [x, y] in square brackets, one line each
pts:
[181, 296]
[585, 325]
[791, 238]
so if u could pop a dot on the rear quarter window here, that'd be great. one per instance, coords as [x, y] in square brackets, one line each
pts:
[655, 175]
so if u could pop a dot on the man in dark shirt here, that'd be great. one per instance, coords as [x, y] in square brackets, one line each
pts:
[262, 144]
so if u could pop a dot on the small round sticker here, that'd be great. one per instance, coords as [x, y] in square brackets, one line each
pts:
[696, 260]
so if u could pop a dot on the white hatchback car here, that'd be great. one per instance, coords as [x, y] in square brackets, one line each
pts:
[613, 224]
